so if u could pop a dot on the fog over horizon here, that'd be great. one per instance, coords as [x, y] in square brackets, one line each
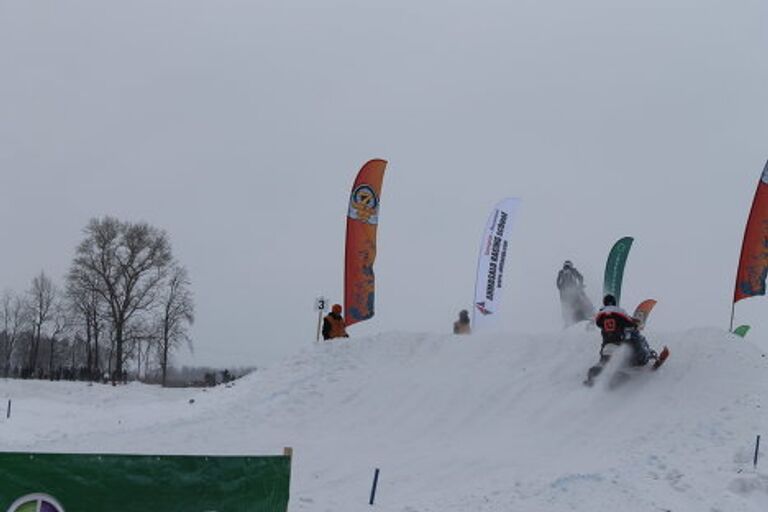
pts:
[238, 127]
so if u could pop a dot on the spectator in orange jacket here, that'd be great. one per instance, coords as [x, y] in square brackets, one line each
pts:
[334, 325]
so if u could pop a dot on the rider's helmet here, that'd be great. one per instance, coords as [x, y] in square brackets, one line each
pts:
[609, 300]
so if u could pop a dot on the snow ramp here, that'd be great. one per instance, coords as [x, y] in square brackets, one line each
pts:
[489, 423]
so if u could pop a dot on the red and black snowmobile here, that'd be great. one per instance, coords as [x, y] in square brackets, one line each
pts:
[638, 358]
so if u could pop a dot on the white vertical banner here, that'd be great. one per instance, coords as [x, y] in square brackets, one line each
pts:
[491, 263]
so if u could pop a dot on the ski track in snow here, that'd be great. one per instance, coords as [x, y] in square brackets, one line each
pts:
[486, 423]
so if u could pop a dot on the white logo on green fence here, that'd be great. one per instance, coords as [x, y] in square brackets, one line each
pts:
[36, 503]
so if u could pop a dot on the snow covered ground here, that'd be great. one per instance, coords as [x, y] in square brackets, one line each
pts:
[483, 423]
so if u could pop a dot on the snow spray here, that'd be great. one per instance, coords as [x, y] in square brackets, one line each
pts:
[375, 485]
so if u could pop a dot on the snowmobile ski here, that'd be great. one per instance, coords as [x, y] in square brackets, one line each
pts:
[592, 373]
[663, 355]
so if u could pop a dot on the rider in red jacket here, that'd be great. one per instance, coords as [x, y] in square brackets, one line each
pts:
[616, 327]
[613, 321]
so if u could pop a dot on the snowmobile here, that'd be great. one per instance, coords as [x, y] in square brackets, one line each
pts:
[635, 356]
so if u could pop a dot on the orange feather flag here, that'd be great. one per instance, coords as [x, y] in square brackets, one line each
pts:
[362, 224]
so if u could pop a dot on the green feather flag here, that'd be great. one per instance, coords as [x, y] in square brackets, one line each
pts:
[614, 267]
[741, 330]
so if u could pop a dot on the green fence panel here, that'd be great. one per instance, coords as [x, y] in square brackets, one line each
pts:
[143, 483]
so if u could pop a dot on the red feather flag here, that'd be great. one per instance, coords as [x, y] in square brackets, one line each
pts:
[753, 264]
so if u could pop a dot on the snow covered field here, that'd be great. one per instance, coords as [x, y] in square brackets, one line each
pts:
[484, 423]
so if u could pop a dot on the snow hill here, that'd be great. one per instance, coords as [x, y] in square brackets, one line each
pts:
[485, 423]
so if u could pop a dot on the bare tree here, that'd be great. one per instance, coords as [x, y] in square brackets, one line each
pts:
[176, 315]
[61, 321]
[42, 296]
[140, 338]
[88, 306]
[125, 264]
[13, 310]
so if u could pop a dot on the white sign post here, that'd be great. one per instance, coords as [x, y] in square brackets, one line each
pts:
[321, 306]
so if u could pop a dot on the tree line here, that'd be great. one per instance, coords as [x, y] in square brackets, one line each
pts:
[125, 304]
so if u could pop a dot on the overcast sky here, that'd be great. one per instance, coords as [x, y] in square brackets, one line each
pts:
[238, 127]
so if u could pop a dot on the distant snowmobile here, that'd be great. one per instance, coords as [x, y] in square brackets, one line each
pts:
[619, 329]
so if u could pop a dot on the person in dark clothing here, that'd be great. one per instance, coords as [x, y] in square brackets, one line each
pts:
[461, 326]
[616, 327]
[569, 278]
[334, 325]
[576, 306]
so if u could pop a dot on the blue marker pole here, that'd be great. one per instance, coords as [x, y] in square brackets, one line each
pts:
[757, 450]
[375, 485]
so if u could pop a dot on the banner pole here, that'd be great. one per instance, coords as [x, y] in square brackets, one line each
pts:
[319, 324]
[733, 314]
